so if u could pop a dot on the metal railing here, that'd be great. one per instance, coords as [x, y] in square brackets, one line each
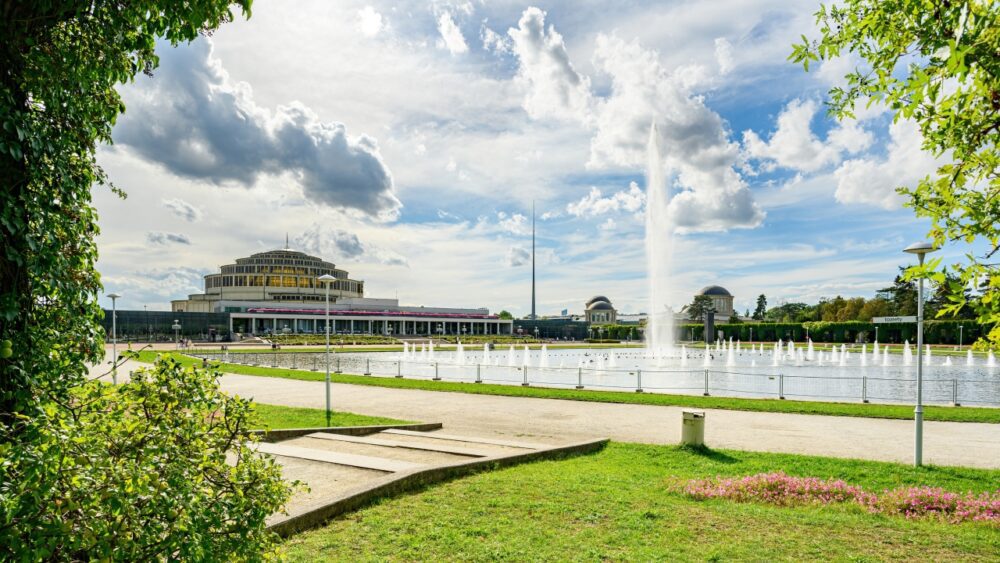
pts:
[765, 382]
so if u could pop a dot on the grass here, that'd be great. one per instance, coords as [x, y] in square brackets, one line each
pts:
[620, 504]
[273, 417]
[936, 413]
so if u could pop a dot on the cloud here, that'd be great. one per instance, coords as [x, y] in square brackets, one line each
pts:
[182, 209]
[608, 225]
[594, 204]
[552, 87]
[517, 256]
[163, 239]
[794, 145]
[197, 123]
[693, 139]
[336, 244]
[724, 55]
[874, 180]
[369, 22]
[515, 224]
[493, 41]
[451, 37]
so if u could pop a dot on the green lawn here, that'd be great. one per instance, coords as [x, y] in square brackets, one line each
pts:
[273, 417]
[619, 505]
[954, 414]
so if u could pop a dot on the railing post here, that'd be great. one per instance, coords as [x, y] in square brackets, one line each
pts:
[368, 366]
[954, 393]
[525, 382]
[295, 360]
[579, 378]
[479, 375]
[781, 386]
[399, 368]
[864, 389]
[436, 377]
[274, 359]
[338, 363]
[706, 383]
[638, 381]
[314, 362]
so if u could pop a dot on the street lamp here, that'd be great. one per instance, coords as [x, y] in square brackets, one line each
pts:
[960, 337]
[325, 279]
[920, 249]
[114, 337]
[177, 333]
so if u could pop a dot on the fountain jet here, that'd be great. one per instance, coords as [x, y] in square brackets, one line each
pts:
[659, 248]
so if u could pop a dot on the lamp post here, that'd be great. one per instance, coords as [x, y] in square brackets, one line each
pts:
[920, 249]
[960, 337]
[114, 337]
[177, 333]
[325, 279]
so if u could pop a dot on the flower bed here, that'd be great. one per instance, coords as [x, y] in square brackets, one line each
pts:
[911, 502]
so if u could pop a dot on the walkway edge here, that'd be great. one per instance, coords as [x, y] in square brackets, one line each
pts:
[289, 433]
[323, 510]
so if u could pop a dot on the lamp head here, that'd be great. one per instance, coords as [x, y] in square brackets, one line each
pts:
[920, 248]
[113, 296]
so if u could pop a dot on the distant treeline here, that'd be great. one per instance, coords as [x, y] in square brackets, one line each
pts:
[935, 331]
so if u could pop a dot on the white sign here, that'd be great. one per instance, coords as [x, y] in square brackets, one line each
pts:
[910, 319]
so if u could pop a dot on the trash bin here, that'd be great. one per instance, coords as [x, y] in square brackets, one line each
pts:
[693, 428]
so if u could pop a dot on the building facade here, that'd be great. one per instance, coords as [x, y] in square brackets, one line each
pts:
[283, 276]
[722, 301]
[600, 311]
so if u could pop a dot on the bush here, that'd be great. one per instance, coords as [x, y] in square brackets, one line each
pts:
[139, 472]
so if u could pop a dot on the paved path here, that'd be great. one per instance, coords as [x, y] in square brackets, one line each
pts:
[561, 421]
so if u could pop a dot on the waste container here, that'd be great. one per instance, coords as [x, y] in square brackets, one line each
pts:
[693, 428]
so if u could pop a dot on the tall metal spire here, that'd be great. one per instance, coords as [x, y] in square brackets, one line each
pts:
[533, 316]
[286, 241]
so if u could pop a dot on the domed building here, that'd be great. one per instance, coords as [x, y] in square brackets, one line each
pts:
[601, 311]
[722, 300]
[284, 275]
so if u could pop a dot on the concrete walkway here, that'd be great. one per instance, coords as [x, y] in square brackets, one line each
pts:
[559, 421]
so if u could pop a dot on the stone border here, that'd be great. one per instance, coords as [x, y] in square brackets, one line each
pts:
[289, 433]
[319, 512]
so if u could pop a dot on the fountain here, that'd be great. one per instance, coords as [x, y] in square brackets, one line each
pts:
[907, 354]
[810, 353]
[991, 360]
[659, 249]
[460, 354]
[968, 358]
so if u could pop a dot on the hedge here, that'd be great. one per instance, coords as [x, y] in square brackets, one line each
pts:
[935, 331]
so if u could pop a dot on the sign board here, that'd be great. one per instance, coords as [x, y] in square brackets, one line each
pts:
[910, 319]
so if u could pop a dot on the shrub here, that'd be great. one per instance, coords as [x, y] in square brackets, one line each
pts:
[139, 472]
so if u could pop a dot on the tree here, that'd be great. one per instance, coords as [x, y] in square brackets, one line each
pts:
[505, 315]
[936, 64]
[761, 310]
[902, 296]
[702, 304]
[60, 63]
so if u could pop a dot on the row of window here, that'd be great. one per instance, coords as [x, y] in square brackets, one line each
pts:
[316, 272]
[304, 282]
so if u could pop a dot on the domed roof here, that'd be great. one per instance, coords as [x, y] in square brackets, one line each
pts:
[597, 298]
[715, 290]
[600, 306]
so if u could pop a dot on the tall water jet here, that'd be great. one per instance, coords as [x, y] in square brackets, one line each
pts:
[875, 352]
[659, 249]
[991, 360]
[907, 354]
[486, 354]
[968, 358]
[460, 354]
[684, 356]
[811, 353]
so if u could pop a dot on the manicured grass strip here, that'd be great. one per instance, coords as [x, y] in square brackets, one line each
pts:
[273, 417]
[952, 414]
[621, 504]
[337, 349]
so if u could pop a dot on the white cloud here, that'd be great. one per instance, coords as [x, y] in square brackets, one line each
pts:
[594, 204]
[493, 41]
[874, 180]
[517, 256]
[608, 225]
[724, 55]
[794, 145]
[182, 209]
[693, 138]
[516, 223]
[369, 22]
[451, 37]
[192, 119]
[552, 87]
[337, 244]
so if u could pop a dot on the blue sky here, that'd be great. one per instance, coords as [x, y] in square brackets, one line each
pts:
[407, 141]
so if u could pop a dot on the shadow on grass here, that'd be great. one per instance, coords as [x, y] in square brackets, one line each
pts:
[709, 454]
